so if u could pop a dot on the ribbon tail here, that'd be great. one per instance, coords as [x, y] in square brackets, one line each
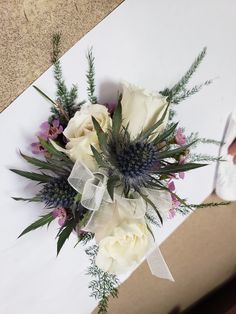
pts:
[158, 266]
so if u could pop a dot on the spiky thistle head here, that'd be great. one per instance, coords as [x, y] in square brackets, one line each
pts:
[58, 193]
[134, 163]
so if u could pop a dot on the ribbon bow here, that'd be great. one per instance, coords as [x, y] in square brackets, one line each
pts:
[93, 190]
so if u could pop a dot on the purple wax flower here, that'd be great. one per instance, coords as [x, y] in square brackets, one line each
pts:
[175, 201]
[37, 148]
[175, 205]
[180, 138]
[111, 107]
[61, 214]
[171, 186]
[182, 161]
[172, 213]
[50, 131]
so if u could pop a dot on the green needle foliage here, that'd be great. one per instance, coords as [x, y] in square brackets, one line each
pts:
[179, 92]
[152, 218]
[65, 97]
[91, 77]
[103, 285]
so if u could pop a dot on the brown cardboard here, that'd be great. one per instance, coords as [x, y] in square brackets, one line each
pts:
[26, 30]
[201, 255]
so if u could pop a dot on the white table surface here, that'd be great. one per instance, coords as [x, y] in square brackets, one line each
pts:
[149, 43]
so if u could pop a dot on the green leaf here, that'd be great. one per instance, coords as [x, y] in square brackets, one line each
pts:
[150, 131]
[43, 178]
[44, 95]
[82, 222]
[174, 168]
[174, 152]
[148, 201]
[52, 150]
[117, 120]
[43, 164]
[64, 235]
[45, 219]
[161, 137]
[98, 157]
[111, 184]
[33, 199]
[102, 136]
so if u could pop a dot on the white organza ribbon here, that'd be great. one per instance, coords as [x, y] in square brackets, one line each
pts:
[93, 190]
[91, 186]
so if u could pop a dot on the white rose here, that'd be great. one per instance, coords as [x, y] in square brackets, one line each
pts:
[141, 109]
[81, 134]
[122, 234]
[124, 247]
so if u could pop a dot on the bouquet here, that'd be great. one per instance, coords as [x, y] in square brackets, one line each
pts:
[107, 172]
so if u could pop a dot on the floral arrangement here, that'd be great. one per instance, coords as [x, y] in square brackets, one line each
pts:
[107, 172]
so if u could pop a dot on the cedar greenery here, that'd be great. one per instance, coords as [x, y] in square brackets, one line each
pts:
[67, 98]
[103, 284]
[179, 92]
[91, 77]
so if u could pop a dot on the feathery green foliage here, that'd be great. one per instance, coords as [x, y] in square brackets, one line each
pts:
[103, 285]
[91, 77]
[203, 158]
[66, 98]
[205, 205]
[186, 208]
[179, 92]
[186, 93]
[152, 218]
[85, 237]
[56, 40]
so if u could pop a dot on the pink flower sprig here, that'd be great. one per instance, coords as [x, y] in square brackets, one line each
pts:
[50, 130]
[47, 131]
[61, 214]
[37, 148]
[180, 138]
[175, 201]
[182, 161]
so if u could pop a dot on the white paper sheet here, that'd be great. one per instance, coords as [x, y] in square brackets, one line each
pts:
[149, 43]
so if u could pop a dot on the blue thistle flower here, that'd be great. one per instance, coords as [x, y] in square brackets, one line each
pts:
[58, 193]
[137, 160]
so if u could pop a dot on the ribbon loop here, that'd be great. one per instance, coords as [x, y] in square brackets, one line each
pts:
[93, 192]
[158, 266]
[94, 195]
[79, 175]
